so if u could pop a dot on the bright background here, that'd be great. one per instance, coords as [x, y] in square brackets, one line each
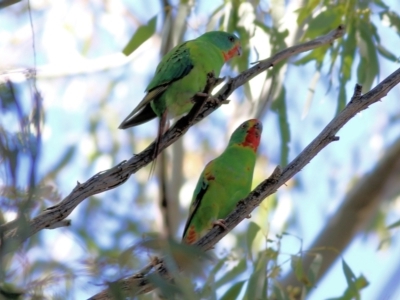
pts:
[88, 87]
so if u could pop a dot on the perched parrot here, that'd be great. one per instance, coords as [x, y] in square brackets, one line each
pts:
[224, 181]
[181, 75]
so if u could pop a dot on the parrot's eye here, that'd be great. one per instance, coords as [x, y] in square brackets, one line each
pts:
[231, 38]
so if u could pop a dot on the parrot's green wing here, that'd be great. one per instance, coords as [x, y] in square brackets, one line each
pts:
[224, 181]
[175, 65]
[199, 192]
[181, 74]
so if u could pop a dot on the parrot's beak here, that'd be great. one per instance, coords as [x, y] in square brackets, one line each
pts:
[239, 50]
[258, 127]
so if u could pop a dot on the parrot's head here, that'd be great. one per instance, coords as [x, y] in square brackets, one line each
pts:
[248, 134]
[228, 43]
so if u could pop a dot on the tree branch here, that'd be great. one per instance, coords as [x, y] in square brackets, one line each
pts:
[138, 283]
[109, 179]
[5, 3]
[357, 210]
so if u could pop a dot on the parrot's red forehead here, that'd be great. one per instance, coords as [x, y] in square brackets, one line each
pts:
[235, 51]
[253, 137]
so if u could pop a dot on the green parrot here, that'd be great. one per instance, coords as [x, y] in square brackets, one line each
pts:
[224, 181]
[181, 75]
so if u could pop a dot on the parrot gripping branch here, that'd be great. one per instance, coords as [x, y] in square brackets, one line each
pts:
[54, 216]
[113, 177]
[139, 283]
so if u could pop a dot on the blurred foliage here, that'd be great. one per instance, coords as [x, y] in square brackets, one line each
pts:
[48, 144]
[142, 34]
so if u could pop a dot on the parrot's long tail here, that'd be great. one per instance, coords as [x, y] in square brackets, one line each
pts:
[162, 127]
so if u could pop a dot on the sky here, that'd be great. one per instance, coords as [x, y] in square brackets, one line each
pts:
[71, 100]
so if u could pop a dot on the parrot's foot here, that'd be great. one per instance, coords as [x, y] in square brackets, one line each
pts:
[200, 94]
[221, 223]
[213, 81]
[213, 100]
[216, 101]
[240, 202]
[249, 216]
[208, 98]
[155, 261]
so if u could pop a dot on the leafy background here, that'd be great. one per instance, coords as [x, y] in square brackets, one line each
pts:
[88, 86]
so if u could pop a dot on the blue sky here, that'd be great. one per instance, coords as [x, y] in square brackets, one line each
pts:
[72, 102]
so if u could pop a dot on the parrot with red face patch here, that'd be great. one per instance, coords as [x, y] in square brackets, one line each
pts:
[181, 75]
[224, 181]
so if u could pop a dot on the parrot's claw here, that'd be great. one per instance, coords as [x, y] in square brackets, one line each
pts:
[221, 223]
[249, 216]
[240, 202]
[200, 94]
[154, 261]
[213, 100]
[208, 98]
[216, 101]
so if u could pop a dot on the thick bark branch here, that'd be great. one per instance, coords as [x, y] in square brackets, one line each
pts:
[138, 283]
[117, 175]
[359, 207]
[5, 3]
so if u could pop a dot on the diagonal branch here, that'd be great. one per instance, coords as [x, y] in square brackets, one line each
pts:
[117, 175]
[358, 208]
[138, 283]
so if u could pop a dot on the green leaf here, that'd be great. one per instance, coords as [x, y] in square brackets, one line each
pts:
[256, 288]
[348, 54]
[218, 266]
[314, 269]
[296, 263]
[278, 40]
[252, 231]
[306, 11]
[142, 34]
[350, 277]
[386, 53]
[361, 282]
[362, 71]
[233, 291]
[279, 293]
[394, 19]
[324, 22]
[353, 292]
[347, 59]
[262, 26]
[316, 55]
[394, 225]
[232, 274]
[381, 4]
[342, 99]
[368, 68]
[209, 290]
[279, 106]
[348, 272]
[167, 289]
